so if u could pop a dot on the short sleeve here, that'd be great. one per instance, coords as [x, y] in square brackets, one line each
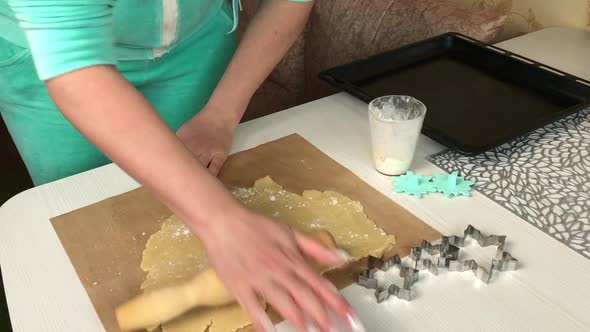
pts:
[65, 35]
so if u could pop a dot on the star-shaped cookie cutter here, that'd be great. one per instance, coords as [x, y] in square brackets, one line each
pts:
[452, 184]
[409, 275]
[502, 262]
[447, 251]
[413, 184]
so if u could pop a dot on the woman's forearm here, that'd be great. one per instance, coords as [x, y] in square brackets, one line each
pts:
[272, 31]
[121, 122]
[114, 116]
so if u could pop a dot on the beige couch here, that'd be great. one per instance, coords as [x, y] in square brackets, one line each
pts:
[525, 16]
[346, 30]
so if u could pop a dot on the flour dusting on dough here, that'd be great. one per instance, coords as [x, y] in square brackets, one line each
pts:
[344, 218]
[174, 255]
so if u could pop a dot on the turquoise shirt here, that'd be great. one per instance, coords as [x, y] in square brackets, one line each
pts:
[64, 35]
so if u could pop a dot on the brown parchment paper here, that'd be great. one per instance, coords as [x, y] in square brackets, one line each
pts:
[105, 240]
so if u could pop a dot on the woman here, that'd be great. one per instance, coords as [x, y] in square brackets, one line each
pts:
[79, 78]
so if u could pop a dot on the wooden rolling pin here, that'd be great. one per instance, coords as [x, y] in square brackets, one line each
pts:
[161, 305]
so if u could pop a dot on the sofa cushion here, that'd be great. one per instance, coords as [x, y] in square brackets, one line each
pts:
[480, 23]
[345, 31]
[284, 87]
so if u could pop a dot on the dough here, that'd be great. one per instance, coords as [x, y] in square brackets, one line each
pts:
[223, 319]
[342, 217]
[173, 255]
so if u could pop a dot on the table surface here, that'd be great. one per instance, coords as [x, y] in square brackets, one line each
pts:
[549, 292]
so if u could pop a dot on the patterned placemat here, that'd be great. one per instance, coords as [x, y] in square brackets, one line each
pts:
[543, 177]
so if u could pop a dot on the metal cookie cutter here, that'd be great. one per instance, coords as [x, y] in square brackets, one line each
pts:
[448, 258]
[409, 275]
[502, 262]
[448, 251]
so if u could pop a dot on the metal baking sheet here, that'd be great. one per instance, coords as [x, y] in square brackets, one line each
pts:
[478, 96]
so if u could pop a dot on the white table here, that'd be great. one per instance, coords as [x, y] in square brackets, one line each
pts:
[550, 291]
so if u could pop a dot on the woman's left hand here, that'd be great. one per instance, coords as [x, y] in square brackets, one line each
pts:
[209, 135]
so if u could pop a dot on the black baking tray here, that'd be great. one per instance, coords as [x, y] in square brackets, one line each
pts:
[478, 96]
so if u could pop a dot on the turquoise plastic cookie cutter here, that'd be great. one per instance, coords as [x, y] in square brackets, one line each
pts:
[413, 184]
[452, 184]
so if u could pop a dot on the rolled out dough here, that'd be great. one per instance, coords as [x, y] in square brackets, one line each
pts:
[173, 255]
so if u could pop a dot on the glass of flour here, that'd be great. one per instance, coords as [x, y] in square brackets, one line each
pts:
[396, 122]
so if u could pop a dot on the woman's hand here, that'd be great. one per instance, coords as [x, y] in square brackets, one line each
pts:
[209, 135]
[256, 258]
[252, 255]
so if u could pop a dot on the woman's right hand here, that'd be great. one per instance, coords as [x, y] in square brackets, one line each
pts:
[256, 258]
